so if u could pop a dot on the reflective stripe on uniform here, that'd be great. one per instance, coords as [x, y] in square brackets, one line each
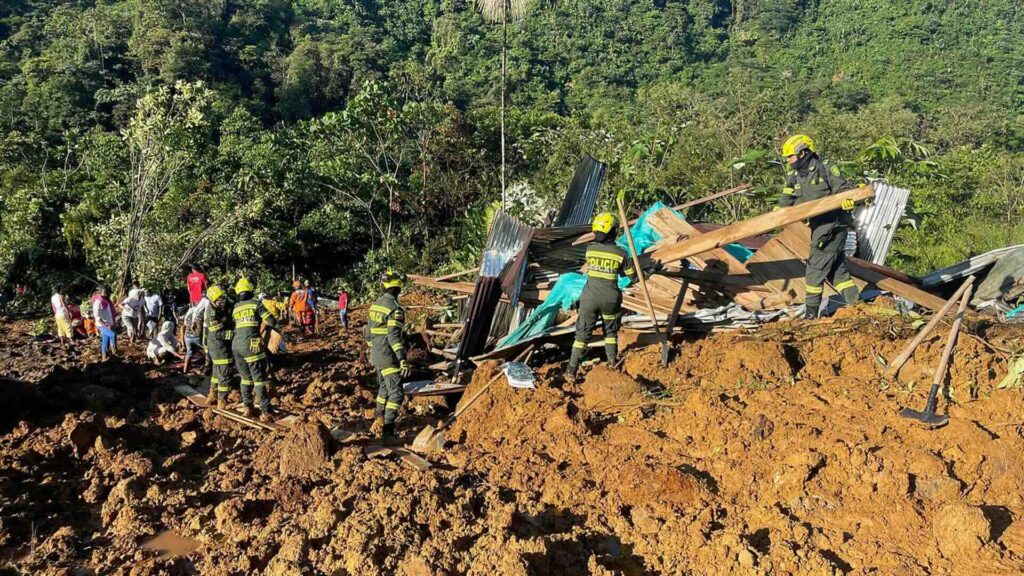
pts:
[381, 331]
[390, 371]
[608, 317]
[381, 400]
[811, 289]
[394, 323]
[398, 346]
[845, 284]
[379, 308]
[603, 254]
[611, 340]
[214, 380]
[247, 324]
[602, 275]
[789, 191]
[259, 383]
[221, 361]
[579, 344]
[255, 358]
[246, 382]
[393, 405]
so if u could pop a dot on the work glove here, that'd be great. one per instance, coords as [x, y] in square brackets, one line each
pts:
[848, 204]
[406, 369]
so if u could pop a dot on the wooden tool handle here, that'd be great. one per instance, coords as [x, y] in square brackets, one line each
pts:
[636, 265]
[908, 351]
[472, 400]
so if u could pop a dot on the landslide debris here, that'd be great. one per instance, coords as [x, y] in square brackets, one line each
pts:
[776, 452]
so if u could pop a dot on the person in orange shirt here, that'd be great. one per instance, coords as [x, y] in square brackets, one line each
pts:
[301, 310]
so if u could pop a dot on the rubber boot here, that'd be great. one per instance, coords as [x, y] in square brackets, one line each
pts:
[612, 351]
[811, 306]
[266, 416]
[248, 411]
[211, 396]
[570, 374]
[851, 295]
[387, 435]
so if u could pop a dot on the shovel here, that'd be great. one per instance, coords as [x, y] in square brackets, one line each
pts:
[431, 438]
[928, 416]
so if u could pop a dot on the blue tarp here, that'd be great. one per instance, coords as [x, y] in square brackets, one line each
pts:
[569, 287]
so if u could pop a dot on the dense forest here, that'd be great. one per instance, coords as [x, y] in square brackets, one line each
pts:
[338, 137]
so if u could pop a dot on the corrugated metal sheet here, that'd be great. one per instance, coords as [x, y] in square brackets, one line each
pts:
[876, 224]
[963, 269]
[578, 206]
[502, 268]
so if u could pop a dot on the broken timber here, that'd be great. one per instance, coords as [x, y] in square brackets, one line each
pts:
[195, 397]
[759, 225]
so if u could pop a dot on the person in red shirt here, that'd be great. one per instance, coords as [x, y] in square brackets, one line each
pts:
[343, 308]
[196, 284]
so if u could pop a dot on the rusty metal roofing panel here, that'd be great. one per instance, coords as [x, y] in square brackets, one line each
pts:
[578, 206]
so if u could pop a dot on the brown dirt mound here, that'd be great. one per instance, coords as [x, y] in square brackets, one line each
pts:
[605, 389]
[306, 451]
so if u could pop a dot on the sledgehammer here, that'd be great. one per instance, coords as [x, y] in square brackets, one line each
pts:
[928, 416]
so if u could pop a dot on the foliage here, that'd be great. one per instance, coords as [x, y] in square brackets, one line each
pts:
[336, 139]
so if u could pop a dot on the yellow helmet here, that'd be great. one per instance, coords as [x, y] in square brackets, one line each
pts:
[794, 144]
[392, 279]
[214, 293]
[603, 222]
[243, 285]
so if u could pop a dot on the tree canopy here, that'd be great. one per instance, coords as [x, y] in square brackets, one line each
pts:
[339, 138]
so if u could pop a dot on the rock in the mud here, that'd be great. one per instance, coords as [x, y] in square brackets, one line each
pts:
[961, 530]
[83, 436]
[938, 489]
[306, 451]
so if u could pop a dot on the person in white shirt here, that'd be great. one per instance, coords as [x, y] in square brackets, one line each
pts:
[153, 304]
[136, 302]
[164, 343]
[61, 315]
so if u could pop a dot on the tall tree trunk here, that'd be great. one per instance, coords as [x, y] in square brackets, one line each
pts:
[504, 47]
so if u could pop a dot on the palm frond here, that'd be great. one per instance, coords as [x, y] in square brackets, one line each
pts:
[502, 10]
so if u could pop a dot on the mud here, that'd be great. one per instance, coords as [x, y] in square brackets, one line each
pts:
[774, 452]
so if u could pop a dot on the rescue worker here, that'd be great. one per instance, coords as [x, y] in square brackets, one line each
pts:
[250, 352]
[811, 177]
[384, 324]
[605, 262]
[219, 332]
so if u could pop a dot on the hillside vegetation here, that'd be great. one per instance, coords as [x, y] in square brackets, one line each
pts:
[340, 137]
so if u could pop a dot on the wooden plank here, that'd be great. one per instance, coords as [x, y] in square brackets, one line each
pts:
[195, 397]
[759, 225]
[463, 287]
[901, 289]
[410, 458]
[431, 388]
[886, 271]
[340, 434]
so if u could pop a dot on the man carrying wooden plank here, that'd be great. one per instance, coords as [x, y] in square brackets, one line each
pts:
[811, 177]
[601, 294]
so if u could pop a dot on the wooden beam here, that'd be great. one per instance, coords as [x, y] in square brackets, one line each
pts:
[456, 275]
[885, 270]
[901, 289]
[427, 281]
[759, 225]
